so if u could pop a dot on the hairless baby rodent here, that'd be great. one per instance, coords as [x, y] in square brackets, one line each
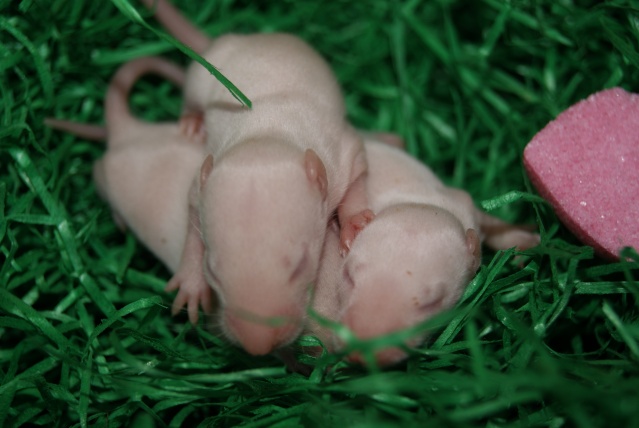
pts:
[413, 260]
[276, 174]
[147, 170]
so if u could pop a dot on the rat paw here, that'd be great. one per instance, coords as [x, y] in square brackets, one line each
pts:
[193, 291]
[352, 228]
[192, 126]
[527, 240]
[516, 236]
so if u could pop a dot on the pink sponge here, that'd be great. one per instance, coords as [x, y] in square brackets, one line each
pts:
[586, 164]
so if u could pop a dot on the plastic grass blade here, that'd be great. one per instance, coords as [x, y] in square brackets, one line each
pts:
[133, 14]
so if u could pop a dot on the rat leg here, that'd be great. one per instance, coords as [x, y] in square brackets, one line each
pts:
[193, 290]
[352, 227]
[353, 212]
[354, 221]
[192, 124]
[500, 235]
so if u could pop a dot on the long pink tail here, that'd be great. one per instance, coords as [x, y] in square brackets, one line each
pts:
[176, 24]
[84, 130]
[117, 98]
[118, 115]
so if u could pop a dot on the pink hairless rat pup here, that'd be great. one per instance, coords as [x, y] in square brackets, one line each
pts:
[133, 177]
[275, 175]
[413, 260]
[147, 169]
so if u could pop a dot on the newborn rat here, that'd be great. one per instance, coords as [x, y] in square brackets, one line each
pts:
[147, 170]
[275, 175]
[413, 260]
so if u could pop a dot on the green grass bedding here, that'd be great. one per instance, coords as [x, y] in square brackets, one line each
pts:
[547, 338]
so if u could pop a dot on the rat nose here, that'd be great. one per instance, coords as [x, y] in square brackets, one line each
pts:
[257, 338]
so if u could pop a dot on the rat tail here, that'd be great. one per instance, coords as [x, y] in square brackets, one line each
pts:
[84, 130]
[118, 115]
[179, 27]
[116, 108]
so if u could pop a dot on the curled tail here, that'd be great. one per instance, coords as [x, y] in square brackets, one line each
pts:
[117, 99]
[179, 27]
[118, 115]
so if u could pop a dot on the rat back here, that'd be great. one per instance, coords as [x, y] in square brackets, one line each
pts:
[409, 263]
[395, 177]
[263, 66]
[146, 179]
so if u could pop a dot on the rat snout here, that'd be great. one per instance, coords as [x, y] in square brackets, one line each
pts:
[256, 336]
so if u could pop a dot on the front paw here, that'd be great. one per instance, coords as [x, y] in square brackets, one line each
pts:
[351, 228]
[193, 291]
[192, 126]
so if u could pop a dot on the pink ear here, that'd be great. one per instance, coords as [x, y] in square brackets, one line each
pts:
[315, 171]
[474, 248]
[205, 171]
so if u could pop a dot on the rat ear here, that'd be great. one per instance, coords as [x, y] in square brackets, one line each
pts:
[315, 171]
[474, 248]
[205, 171]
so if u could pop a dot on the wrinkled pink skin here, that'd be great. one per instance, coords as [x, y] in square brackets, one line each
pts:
[412, 261]
[146, 172]
[263, 214]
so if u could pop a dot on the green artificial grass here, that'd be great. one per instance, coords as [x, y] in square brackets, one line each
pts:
[545, 338]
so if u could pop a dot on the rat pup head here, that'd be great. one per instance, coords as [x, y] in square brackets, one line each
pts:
[412, 262]
[263, 215]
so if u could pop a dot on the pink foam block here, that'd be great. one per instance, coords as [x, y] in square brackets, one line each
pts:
[586, 164]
